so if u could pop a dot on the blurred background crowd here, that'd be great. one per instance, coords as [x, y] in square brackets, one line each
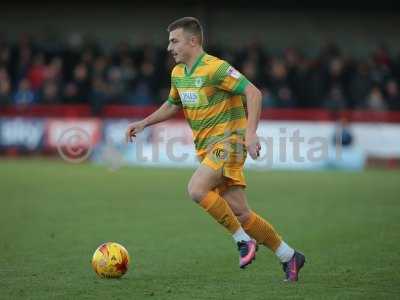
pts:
[50, 70]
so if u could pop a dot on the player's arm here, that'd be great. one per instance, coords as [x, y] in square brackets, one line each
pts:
[253, 99]
[229, 79]
[163, 113]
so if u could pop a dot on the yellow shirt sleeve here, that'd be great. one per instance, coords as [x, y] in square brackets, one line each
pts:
[173, 97]
[229, 79]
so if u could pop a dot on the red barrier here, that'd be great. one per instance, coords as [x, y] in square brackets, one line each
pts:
[326, 115]
[75, 110]
[125, 111]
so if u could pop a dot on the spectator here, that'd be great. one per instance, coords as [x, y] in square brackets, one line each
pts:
[335, 100]
[99, 94]
[279, 85]
[54, 70]
[143, 86]
[392, 95]
[380, 66]
[70, 93]
[381, 56]
[314, 87]
[100, 67]
[81, 84]
[268, 101]
[5, 88]
[78, 71]
[4, 55]
[163, 78]
[36, 73]
[249, 69]
[116, 86]
[375, 100]
[360, 85]
[335, 76]
[24, 94]
[343, 136]
[128, 71]
[296, 74]
[20, 59]
[285, 98]
[50, 93]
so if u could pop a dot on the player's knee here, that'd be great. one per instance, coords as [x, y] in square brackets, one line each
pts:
[195, 192]
[243, 216]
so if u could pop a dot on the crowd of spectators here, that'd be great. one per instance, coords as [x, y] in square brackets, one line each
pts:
[50, 71]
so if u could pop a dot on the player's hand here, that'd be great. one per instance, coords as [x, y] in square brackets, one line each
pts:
[133, 129]
[253, 146]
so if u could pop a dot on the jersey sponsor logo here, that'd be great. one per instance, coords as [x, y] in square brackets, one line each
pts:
[233, 72]
[189, 97]
[198, 82]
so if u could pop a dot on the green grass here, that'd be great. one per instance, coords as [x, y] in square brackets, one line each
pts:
[54, 215]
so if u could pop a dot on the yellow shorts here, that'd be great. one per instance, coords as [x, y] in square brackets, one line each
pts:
[230, 156]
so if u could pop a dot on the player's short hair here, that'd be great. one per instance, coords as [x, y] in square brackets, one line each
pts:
[189, 24]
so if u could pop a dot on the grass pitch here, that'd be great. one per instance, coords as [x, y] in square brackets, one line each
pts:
[54, 215]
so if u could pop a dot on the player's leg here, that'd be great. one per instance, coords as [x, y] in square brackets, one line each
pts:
[263, 232]
[254, 225]
[201, 189]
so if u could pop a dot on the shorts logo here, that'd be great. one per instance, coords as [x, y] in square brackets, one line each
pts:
[233, 72]
[198, 82]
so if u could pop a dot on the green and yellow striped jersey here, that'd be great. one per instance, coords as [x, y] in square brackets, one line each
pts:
[211, 96]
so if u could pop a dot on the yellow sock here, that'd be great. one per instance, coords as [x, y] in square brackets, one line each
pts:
[262, 231]
[217, 207]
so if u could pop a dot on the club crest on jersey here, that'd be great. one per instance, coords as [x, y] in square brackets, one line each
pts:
[220, 154]
[189, 97]
[198, 82]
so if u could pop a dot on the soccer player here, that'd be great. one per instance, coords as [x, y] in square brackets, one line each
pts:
[213, 96]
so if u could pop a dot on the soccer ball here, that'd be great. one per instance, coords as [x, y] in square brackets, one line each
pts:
[110, 260]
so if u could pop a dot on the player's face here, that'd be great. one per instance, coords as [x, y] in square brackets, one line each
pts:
[180, 45]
